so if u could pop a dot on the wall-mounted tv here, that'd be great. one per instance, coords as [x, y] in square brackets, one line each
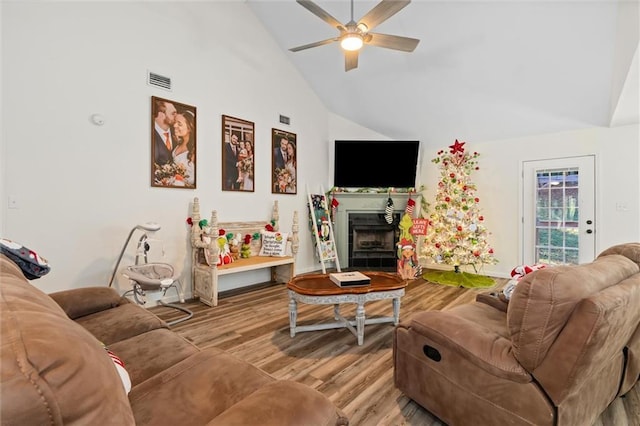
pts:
[375, 163]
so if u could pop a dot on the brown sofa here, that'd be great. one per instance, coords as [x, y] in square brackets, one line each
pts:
[559, 352]
[54, 368]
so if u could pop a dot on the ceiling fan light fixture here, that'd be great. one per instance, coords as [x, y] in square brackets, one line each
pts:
[351, 42]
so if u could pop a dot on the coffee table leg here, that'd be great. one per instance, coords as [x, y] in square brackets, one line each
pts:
[293, 315]
[396, 310]
[336, 311]
[360, 322]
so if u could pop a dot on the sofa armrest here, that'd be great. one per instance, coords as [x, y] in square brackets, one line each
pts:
[496, 300]
[88, 300]
[475, 332]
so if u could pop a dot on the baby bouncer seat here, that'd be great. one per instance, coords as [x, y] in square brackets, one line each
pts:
[152, 276]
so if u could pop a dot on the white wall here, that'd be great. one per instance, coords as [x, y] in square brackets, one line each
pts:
[80, 188]
[499, 184]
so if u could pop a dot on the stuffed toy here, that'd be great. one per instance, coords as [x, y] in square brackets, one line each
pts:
[245, 249]
[224, 258]
[234, 249]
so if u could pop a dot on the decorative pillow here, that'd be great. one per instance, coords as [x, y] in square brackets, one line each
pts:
[33, 266]
[516, 275]
[122, 372]
[273, 243]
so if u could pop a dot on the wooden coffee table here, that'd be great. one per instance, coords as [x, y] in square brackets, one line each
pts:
[318, 289]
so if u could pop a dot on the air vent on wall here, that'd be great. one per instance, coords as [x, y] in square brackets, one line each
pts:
[284, 119]
[158, 80]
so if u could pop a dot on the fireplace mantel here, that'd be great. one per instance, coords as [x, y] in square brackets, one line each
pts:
[363, 202]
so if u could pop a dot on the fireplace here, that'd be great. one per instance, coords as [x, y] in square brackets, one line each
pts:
[372, 241]
[357, 203]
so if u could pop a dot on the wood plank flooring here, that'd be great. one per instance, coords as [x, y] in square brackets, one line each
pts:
[254, 326]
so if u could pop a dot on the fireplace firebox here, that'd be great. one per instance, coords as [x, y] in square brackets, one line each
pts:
[372, 241]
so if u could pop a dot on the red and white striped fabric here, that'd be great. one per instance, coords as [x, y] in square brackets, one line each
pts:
[122, 372]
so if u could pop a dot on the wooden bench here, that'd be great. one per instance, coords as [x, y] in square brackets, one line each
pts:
[205, 271]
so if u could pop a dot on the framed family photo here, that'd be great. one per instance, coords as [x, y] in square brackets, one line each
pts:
[173, 144]
[284, 172]
[238, 164]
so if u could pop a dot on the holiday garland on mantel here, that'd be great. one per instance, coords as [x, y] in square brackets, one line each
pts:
[456, 234]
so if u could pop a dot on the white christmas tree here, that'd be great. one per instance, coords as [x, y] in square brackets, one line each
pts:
[456, 234]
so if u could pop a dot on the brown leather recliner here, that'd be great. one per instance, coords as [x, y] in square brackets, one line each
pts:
[567, 344]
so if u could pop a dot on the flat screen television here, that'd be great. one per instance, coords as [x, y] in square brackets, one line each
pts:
[375, 163]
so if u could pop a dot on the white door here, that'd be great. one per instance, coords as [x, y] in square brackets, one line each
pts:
[559, 221]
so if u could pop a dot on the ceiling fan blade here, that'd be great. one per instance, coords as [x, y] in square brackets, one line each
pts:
[321, 13]
[406, 44]
[316, 44]
[382, 11]
[350, 59]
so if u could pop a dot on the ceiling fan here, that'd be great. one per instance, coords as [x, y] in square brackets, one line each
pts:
[353, 35]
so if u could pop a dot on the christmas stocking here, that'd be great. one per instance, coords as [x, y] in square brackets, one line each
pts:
[410, 206]
[388, 211]
[334, 208]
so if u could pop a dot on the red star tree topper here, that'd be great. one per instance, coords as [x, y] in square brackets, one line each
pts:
[456, 234]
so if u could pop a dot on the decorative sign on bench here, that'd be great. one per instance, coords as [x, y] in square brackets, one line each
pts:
[273, 243]
[222, 248]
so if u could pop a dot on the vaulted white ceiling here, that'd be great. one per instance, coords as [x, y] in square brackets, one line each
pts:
[483, 70]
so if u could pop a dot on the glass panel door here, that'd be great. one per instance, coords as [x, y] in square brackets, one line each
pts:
[559, 204]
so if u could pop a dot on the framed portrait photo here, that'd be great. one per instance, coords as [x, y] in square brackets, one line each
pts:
[284, 170]
[173, 144]
[238, 151]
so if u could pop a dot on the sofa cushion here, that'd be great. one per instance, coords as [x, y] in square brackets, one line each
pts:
[213, 387]
[120, 323]
[302, 405]
[195, 390]
[52, 370]
[632, 373]
[147, 354]
[543, 301]
[84, 301]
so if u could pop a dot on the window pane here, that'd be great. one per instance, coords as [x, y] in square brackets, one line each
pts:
[557, 216]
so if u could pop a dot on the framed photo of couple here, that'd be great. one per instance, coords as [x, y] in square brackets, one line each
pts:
[284, 175]
[173, 144]
[238, 151]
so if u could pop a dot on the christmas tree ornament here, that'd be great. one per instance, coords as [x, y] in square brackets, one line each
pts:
[388, 211]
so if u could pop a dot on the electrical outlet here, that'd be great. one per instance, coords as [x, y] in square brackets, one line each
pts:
[622, 206]
[13, 202]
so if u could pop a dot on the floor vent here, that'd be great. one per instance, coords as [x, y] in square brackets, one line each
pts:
[158, 80]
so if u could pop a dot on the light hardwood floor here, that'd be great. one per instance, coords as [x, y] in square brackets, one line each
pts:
[254, 326]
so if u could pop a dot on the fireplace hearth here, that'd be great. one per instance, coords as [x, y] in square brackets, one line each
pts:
[372, 241]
